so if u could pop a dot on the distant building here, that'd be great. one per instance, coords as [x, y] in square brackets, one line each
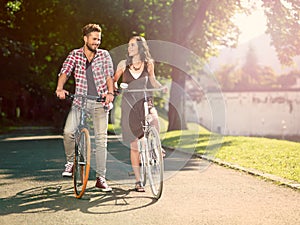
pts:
[263, 113]
[260, 112]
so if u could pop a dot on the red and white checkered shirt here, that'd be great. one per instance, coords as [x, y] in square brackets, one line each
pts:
[75, 64]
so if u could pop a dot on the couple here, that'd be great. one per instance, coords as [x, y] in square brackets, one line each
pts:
[94, 75]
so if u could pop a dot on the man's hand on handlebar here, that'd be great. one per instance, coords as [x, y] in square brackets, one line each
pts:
[109, 97]
[61, 94]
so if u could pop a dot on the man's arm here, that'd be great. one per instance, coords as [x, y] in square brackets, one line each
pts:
[60, 92]
[109, 73]
[110, 88]
[65, 72]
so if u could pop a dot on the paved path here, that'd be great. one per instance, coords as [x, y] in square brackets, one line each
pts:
[195, 192]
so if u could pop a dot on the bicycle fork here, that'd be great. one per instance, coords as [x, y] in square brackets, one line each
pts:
[79, 148]
[142, 149]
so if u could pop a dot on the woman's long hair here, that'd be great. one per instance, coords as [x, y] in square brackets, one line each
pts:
[143, 50]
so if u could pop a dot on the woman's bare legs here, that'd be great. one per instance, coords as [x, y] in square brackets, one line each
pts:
[135, 159]
[135, 163]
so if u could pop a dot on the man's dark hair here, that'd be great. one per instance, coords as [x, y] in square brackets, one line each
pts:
[90, 28]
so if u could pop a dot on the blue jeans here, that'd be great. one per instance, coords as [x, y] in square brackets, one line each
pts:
[100, 122]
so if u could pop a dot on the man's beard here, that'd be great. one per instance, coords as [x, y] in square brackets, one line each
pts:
[89, 48]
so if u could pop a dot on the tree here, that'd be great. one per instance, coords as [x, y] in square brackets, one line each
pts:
[38, 34]
[201, 25]
[268, 78]
[254, 76]
[209, 26]
[227, 76]
[201, 30]
[283, 22]
[249, 76]
[288, 80]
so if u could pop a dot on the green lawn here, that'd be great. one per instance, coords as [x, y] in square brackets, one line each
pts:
[277, 157]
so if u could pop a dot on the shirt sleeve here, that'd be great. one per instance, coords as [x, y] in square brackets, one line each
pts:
[108, 65]
[68, 65]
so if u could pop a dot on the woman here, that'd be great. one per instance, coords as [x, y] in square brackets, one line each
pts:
[138, 72]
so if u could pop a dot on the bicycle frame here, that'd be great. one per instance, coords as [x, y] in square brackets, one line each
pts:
[83, 112]
[143, 146]
[83, 103]
[146, 105]
[82, 147]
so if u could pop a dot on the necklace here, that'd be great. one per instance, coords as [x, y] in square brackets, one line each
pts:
[137, 68]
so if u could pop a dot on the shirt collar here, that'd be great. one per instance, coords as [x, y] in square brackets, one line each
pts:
[96, 55]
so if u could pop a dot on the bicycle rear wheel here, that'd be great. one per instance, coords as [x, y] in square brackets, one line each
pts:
[155, 162]
[82, 161]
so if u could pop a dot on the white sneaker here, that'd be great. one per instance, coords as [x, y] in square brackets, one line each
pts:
[68, 170]
[102, 185]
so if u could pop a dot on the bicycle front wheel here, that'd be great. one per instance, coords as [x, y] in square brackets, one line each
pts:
[155, 162]
[143, 176]
[82, 161]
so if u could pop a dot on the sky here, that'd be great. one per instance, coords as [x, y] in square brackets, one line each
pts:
[251, 26]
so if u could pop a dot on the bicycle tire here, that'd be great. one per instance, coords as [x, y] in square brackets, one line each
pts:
[82, 161]
[143, 172]
[155, 162]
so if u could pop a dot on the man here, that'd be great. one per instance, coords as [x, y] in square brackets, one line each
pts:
[93, 71]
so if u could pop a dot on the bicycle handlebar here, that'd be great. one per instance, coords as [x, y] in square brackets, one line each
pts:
[143, 90]
[91, 97]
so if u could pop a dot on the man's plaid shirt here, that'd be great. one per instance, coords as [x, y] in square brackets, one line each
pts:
[75, 64]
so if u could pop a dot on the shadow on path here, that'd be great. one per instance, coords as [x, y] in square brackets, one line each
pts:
[37, 162]
[60, 197]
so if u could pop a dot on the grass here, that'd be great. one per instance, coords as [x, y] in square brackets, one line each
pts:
[277, 157]
[273, 156]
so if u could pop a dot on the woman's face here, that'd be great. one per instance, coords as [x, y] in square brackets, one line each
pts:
[133, 48]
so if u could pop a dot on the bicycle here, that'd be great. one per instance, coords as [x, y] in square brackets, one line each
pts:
[82, 157]
[151, 158]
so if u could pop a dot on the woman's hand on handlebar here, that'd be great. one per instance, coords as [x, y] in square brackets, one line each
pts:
[164, 89]
[61, 94]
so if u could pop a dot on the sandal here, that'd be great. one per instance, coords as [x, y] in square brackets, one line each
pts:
[139, 187]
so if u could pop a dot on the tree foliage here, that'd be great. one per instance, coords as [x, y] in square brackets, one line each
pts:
[37, 35]
[283, 21]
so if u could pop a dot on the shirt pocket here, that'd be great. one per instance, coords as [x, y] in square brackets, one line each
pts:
[97, 67]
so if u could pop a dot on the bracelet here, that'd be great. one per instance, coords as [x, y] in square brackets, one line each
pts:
[109, 93]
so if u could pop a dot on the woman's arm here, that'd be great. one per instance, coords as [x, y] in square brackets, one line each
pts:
[153, 81]
[119, 71]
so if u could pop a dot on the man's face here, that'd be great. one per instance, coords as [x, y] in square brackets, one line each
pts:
[92, 41]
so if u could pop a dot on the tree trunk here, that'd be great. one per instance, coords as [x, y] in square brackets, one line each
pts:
[176, 114]
[182, 34]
